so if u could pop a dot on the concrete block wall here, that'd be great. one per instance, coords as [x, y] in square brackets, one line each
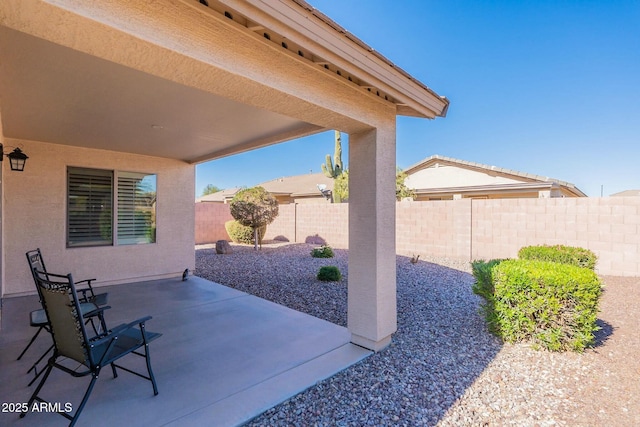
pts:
[437, 228]
[471, 229]
[329, 221]
[609, 226]
[284, 226]
[210, 219]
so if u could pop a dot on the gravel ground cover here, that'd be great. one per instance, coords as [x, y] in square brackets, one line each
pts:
[443, 367]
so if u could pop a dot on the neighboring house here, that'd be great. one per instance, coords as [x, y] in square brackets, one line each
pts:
[116, 102]
[290, 189]
[222, 196]
[445, 178]
[627, 193]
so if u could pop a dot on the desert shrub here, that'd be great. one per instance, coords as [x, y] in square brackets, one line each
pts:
[329, 273]
[552, 305]
[323, 251]
[256, 208]
[571, 255]
[239, 233]
[483, 286]
[481, 271]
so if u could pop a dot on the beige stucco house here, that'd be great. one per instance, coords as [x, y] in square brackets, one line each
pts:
[287, 189]
[116, 102]
[627, 193]
[445, 178]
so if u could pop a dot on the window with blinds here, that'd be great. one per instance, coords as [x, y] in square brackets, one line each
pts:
[136, 208]
[93, 197]
[89, 207]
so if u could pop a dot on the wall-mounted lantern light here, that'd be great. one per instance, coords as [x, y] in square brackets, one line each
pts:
[17, 158]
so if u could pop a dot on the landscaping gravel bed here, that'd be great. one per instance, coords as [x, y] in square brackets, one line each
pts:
[442, 366]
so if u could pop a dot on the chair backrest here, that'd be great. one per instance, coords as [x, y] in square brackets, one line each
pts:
[60, 301]
[36, 263]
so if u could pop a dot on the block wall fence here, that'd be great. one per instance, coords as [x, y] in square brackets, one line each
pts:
[468, 229]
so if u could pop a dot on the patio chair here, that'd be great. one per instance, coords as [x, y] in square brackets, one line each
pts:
[36, 262]
[91, 306]
[72, 343]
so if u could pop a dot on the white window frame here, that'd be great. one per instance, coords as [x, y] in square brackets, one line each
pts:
[126, 226]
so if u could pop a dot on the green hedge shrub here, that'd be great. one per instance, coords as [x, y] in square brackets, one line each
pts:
[482, 271]
[323, 251]
[553, 305]
[329, 273]
[239, 233]
[579, 257]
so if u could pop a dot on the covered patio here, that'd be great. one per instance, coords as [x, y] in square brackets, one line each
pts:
[224, 357]
[150, 89]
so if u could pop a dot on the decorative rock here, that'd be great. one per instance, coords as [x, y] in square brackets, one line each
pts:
[442, 367]
[223, 247]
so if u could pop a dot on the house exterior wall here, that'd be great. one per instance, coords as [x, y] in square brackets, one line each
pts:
[451, 176]
[34, 215]
[483, 229]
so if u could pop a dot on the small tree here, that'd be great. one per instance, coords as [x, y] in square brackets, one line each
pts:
[210, 189]
[341, 186]
[254, 207]
[402, 191]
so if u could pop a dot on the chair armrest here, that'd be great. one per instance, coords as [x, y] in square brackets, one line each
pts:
[96, 311]
[114, 332]
[139, 321]
[84, 291]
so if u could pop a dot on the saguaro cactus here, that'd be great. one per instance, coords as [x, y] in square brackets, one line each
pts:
[334, 170]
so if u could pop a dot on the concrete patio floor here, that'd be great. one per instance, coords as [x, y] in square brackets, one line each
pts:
[224, 358]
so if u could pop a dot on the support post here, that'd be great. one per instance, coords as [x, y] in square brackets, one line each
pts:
[372, 316]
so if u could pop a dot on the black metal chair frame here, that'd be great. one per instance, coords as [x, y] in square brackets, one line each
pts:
[91, 306]
[71, 340]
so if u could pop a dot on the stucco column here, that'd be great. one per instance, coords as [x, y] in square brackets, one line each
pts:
[372, 316]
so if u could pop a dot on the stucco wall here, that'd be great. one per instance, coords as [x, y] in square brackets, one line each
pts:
[34, 216]
[452, 176]
[484, 229]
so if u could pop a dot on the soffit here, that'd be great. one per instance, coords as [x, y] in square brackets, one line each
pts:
[55, 94]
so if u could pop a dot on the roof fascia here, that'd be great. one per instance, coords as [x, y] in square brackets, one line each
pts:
[299, 22]
[505, 188]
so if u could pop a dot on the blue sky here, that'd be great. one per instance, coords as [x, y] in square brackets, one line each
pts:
[545, 87]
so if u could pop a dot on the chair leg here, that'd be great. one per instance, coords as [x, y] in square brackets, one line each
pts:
[94, 377]
[153, 379]
[30, 342]
[34, 366]
[37, 390]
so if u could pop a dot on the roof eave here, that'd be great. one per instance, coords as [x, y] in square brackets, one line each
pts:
[300, 22]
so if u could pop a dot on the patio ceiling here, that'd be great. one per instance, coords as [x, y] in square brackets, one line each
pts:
[55, 94]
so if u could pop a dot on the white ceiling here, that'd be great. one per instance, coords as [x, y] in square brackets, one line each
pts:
[54, 94]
